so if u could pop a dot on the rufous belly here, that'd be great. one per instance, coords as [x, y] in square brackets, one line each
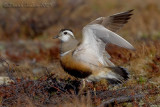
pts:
[75, 68]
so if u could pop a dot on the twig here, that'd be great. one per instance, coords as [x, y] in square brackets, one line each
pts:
[9, 72]
[121, 99]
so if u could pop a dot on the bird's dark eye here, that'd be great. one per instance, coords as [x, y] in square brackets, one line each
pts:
[65, 33]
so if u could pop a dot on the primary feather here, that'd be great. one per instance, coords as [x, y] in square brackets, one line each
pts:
[114, 22]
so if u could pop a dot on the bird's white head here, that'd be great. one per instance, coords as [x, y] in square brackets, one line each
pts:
[65, 35]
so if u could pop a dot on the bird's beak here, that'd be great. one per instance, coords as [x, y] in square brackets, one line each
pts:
[55, 37]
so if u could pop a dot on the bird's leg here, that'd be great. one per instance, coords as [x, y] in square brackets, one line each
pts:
[94, 88]
[84, 83]
[83, 86]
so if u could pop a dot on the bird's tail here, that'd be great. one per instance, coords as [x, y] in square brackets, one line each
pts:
[117, 75]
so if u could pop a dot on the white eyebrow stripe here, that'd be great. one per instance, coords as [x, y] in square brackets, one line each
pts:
[69, 32]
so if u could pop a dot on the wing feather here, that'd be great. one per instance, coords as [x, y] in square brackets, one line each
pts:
[114, 22]
[97, 35]
[108, 36]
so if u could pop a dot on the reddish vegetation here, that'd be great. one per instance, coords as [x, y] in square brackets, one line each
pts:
[50, 54]
[49, 90]
[44, 90]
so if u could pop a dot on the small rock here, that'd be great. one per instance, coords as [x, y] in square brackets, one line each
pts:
[5, 80]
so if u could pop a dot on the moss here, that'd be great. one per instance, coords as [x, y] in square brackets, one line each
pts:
[142, 80]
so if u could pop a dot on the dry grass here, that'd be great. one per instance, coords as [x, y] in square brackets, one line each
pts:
[143, 64]
[48, 21]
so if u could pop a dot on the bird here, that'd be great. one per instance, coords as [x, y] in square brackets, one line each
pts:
[88, 59]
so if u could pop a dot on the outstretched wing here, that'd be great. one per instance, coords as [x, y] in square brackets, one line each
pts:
[96, 37]
[114, 22]
[107, 36]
